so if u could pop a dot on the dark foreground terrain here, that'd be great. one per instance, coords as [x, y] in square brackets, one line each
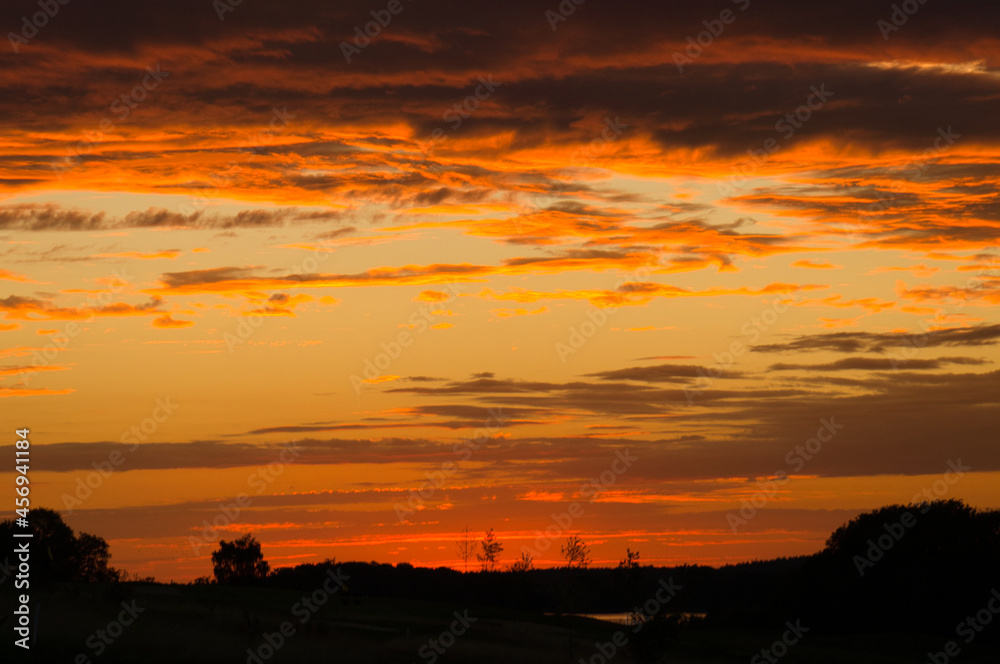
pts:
[916, 583]
[217, 624]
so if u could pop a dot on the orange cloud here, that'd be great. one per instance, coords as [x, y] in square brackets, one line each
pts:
[631, 294]
[510, 313]
[381, 379]
[833, 323]
[24, 351]
[170, 254]
[920, 271]
[432, 296]
[11, 276]
[167, 322]
[987, 293]
[278, 304]
[15, 370]
[816, 265]
[31, 392]
[15, 307]
[872, 305]
[541, 496]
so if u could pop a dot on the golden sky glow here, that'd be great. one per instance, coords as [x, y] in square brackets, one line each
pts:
[484, 259]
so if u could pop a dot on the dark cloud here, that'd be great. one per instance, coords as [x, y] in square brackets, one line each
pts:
[875, 342]
[663, 373]
[50, 217]
[16, 307]
[894, 427]
[330, 235]
[593, 399]
[243, 278]
[726, 102]
[878, 364]
[208, 276]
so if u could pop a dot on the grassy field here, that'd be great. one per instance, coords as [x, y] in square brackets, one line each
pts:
[218, 625]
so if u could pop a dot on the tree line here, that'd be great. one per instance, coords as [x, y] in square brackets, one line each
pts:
[487, 552]
[916, 567]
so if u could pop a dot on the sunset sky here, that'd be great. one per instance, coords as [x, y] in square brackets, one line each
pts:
[493, 253]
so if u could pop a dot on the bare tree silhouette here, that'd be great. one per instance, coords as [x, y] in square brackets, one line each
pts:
[466, 547]
[576, 552]
[631, 560]
[522, 564]
[491, 549]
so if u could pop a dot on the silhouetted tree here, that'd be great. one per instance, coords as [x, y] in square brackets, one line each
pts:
[239, 561]
[490, 550]
[576, 552]
[466, 547]
[629, 577]
[522, 564]
[917, 566]
[65, 556]
[93, 555]
[631, 560]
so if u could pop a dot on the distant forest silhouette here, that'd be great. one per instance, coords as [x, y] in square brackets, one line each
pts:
[901, 568]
